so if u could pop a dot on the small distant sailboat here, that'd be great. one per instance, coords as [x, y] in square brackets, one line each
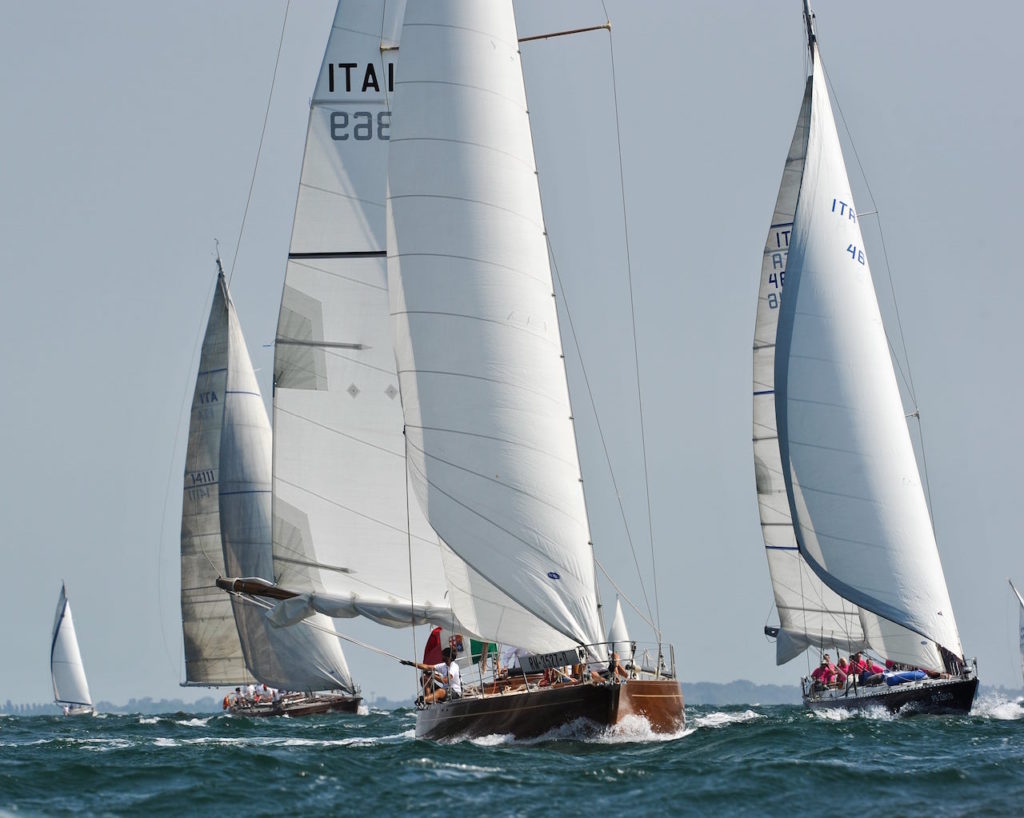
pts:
[70, 688]
[847, 533]
[226, 528]
[1020, 621]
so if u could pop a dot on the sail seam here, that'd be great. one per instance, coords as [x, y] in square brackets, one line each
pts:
[487, 477]
[489, 148]
[543, 282]
[448, 27]
[467, 376]
[336, 431]
[481, 202]
[340, 194]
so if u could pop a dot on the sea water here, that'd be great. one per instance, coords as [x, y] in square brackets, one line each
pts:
[747, 760]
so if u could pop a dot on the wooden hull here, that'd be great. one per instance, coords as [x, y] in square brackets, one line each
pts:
[927, 696]
[305, 706]
[531, 713]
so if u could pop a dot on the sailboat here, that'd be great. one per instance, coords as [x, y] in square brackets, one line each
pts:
[402, 495]
[488, 421]
[70, 688]
[225, 527]
[847, 532]
[1020, 614]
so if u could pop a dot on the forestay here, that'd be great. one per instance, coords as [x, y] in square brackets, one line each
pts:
[855, 493]
[492, 452]
[226, 529]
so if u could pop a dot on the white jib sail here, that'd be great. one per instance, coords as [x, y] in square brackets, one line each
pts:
[618, 634]
[810, 613]
[226, 529]
[855, 491]
[492, 451]
[69, 684]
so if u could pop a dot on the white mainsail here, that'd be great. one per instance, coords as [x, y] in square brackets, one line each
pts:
[491, 447]
[1020, 623]
[349, 533]
[226, 530]
[344, 530]
[70, 687]
[855, 502]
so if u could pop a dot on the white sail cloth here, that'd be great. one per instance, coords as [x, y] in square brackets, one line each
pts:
[70, 686]
[810, 613]
[226, 529]
[618, 634]
[1020, 624]
[344, 527]
[491, 446]
[855, 494]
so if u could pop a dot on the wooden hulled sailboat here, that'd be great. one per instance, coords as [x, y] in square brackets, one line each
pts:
[488, 422]
[847, 533]
[225, 527]
[431, 466]
[70, 687]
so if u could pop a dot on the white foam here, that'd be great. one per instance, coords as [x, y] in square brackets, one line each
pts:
[872, 713]
[196, 722]
[996, 707]
[719, 719]
[631, 730]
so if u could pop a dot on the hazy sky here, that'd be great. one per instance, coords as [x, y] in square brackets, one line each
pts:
[128, 141]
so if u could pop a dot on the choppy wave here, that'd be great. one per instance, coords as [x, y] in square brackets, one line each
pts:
[747, 761]
[997, 707]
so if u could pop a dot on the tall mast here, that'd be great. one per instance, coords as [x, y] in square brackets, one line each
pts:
[812, 38]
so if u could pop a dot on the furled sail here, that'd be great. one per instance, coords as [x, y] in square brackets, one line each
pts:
[226, 529]
[69, 684]
[855, 495]
[492, 452]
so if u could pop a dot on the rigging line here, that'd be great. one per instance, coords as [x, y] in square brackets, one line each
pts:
[604, 443]
[632, 310]
[408, 529]
[908, 378]
[268, 606]
[924, 468]
[263, 133]
[622, 595]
